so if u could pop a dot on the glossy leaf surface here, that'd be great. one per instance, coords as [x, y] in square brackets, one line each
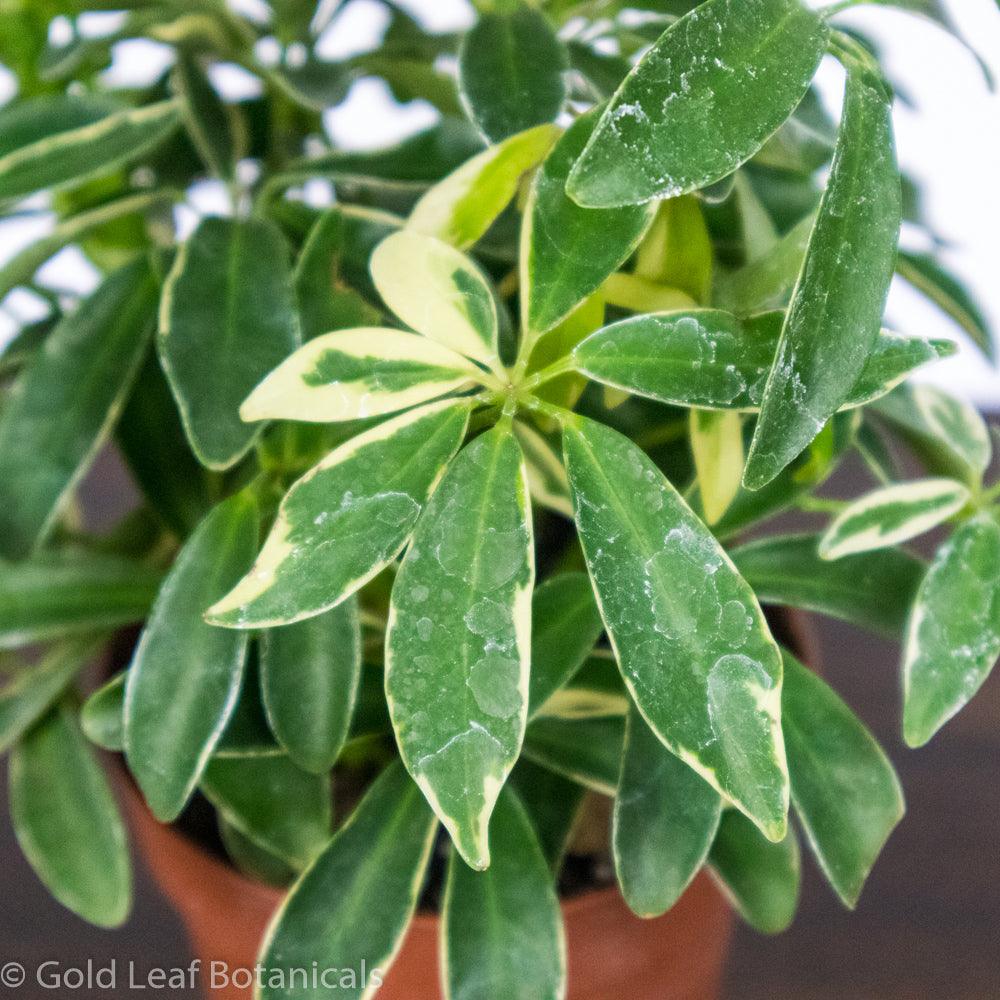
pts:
[67, 823]
[346, 519]
[272, 802]
[871, 589]
[227, 318]
[460, 208]
[83, 372]
[664, 822]
[439, 292]
[836, 310]
[892, 515]
[374, 865]
[310, 673]
[686, 628]
[185, 675]
[710, 359]
[510, 71]
[953, 637]
[459, 639]
[703, 100]
[567, 251]
[353, 374]
[844, 789]
[761, 879]
[565, 624]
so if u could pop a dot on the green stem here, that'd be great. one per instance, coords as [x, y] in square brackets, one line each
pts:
[820, 505]
[557, 368]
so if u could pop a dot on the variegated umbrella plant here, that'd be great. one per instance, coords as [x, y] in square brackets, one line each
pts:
[605, 289]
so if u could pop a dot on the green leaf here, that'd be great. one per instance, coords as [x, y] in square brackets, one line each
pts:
[156, 450]
[677, 250]
[259, 864]
[871, 589]
[327, 283]
[211, 125]
[595, 691]
[439, 292]
[953, 637]
[502, 932]
[101, 715]
[55, 594]
[227, 317]
[689, 635]
[25, 122]
[948, 435]
[310, 674]
[459, 639]
[353, 374]
[547, 482]
[586, 751]
[415, 162]
[32, 690]
[272, 802]
[761, 879]
[766, 281]
[67, 823]
[928, 276]
[836, 311]
[568, 251]
[892, 515]
[665, 821]
[83, 372]
[717, 446]
[813, 467]
[346, 519]
[247, 733]
[709, 359]
[844, 789]
[565, 626]
[703, 100]
[79, 152]
[374, 866]
[20, 268]
[185, 675]
[510, 72]
[460, 208]
[553, 804]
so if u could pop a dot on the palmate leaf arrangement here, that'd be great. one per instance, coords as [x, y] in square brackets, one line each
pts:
[697, 345]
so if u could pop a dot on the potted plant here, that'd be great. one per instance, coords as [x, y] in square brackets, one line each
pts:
[447, 475]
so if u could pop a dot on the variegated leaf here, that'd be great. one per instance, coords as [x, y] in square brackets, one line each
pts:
[346, 519]
[464, 205]
[439, 292]
[953, 637]
[689, 635]
[359, 373]
[892, 515]
[458, 641]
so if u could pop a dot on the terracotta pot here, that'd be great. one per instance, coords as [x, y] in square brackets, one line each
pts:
[679, 956]
[612, 953]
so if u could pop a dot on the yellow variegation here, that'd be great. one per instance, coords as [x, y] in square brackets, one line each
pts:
[892, 515]
[717, 446]
[358, 373]
[346, 519]
[462, 207]
[439, 292]
[458, 643]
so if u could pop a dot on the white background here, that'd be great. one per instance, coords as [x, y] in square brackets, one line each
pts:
[950, 141]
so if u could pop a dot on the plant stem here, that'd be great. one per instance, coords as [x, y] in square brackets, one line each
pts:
[557, 368]
[820, 505]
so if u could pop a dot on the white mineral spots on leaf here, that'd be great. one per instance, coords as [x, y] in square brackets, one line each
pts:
[495, 684]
